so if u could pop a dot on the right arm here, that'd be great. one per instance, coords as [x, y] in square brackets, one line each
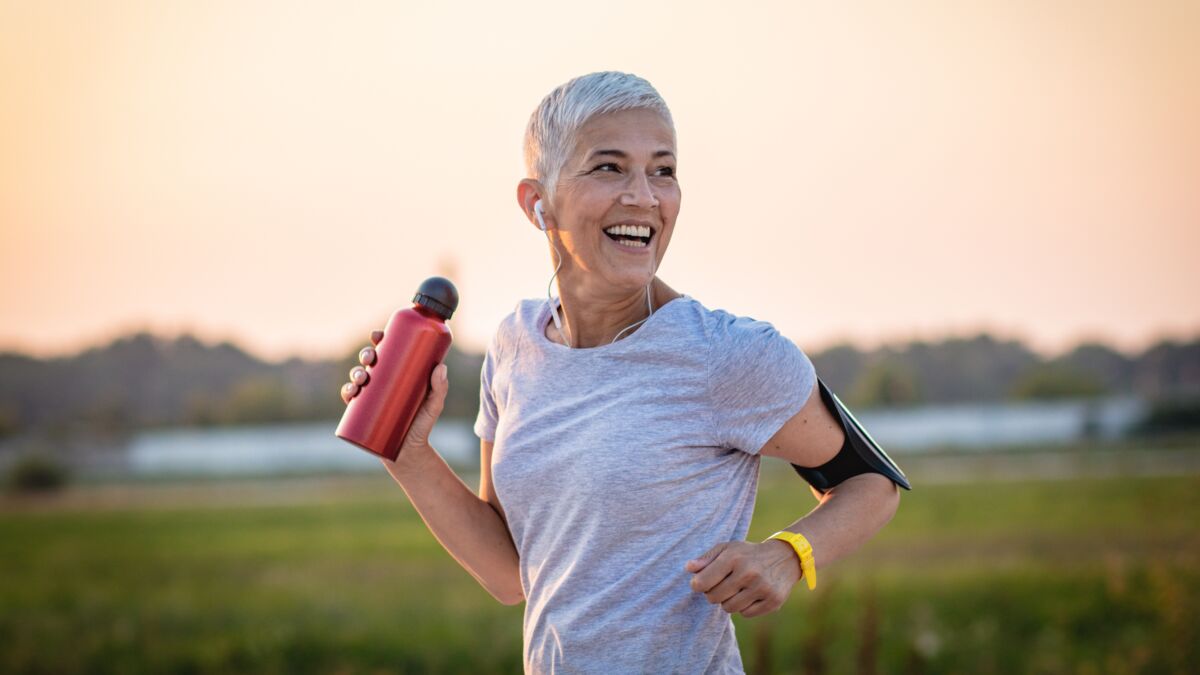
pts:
[472, 528]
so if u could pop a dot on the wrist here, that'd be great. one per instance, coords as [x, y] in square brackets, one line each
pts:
[786, 557]
[804, 553]
[411, 461]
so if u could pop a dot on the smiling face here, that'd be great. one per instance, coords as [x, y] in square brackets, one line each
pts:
[616, 201]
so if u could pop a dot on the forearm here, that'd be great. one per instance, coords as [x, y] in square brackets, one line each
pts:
[468, 527]
[847, 516]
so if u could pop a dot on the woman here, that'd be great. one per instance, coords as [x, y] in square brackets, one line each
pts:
[621, 426]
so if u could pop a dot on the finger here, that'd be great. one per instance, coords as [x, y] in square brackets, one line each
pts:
[697, 564]
[439, 380]
[714, 573]
[376, 337]
[740, 601]
[430, 410]
[438, 387]
[758, 608]
[349, 391]
[366, 356]
[728, 588]
[739, 579]
[358, 375]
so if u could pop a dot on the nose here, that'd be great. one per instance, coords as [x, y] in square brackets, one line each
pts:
[639, 192]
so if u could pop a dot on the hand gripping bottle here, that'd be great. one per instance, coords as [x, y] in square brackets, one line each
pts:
[414, 341]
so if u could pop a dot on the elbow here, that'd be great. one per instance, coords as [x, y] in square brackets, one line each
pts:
[879, 495]
[510, 598]
[889, 499]
[508, 591]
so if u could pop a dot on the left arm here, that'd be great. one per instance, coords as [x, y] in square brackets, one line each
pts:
[756, 578]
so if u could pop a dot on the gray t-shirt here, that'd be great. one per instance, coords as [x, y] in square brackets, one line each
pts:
[617, 464]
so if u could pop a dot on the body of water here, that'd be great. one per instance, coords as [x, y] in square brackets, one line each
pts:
[313, 448]
[987, 425]
[290, 448]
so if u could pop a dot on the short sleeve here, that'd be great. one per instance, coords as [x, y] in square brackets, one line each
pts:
[758, 380]
[488, 417]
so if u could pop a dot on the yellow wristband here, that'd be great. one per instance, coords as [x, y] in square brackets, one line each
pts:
[808, 566]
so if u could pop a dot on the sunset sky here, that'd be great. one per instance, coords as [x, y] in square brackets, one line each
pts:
[283, 176]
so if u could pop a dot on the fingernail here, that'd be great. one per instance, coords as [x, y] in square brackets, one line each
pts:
[366, 356]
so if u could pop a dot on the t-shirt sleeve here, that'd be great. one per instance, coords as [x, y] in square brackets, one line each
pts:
[488, 417]
[758, 380]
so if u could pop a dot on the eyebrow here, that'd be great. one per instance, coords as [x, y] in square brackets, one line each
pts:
[622, 155]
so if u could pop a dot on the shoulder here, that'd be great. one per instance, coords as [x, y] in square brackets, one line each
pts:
[726, 330]
[527, 310]
[742, 346]
[732, 340]
[522, 319]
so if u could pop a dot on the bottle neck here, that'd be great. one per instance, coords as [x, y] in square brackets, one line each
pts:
[427, 313]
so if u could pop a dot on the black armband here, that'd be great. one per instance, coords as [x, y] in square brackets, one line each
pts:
[859, 454]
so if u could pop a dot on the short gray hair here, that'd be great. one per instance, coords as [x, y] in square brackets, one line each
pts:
[550, 135]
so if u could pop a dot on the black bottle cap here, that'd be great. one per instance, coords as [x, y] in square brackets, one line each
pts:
[438, 294]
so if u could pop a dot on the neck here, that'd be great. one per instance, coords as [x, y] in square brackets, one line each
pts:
[592, 320]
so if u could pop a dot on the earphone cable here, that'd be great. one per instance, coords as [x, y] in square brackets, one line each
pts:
[553, 309]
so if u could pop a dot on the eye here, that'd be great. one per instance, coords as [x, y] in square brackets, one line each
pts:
[665, 171]
[606, 167]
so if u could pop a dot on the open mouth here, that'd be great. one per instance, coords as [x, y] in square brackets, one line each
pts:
[633, 236]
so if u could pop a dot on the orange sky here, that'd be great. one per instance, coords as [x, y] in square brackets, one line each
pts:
[284, 176]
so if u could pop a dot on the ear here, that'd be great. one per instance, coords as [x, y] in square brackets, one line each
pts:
[529, 191]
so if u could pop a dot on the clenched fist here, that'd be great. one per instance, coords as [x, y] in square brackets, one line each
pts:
[753, 579]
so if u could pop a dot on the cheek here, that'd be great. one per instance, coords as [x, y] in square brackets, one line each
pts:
[581, 249]
[669, 206]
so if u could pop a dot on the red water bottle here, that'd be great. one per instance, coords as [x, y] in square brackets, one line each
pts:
[414, 341]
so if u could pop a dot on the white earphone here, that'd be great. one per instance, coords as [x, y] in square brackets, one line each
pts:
[537, 212]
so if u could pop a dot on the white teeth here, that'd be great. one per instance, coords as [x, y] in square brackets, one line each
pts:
[629, 230]
[631, 243]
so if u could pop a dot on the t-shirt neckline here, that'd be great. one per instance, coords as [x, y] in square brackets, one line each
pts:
[543, 320]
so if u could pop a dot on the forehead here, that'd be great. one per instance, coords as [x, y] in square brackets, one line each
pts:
[637, 131]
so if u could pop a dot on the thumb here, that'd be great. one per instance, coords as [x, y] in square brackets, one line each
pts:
[438, 380]
[697, 564]
[430, 410]
[436, 398]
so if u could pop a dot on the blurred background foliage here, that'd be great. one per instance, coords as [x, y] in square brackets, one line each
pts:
[182, 381]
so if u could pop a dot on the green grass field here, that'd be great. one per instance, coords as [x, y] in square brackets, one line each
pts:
[1087, 576]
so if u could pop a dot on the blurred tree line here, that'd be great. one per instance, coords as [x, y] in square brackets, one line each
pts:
[142, 380]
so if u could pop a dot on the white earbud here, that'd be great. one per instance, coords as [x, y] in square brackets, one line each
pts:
[537, 211]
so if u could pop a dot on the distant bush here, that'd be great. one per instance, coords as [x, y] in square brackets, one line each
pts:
[10, 421]
[1056, 381]
[887, 383]
[1170, 415]
[36, 473]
